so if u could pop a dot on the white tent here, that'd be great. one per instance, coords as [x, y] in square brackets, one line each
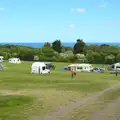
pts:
[14, 60]
[1, 58]
[81, 67]
[39, 68]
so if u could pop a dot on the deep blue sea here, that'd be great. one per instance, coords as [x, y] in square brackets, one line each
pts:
[39, 45]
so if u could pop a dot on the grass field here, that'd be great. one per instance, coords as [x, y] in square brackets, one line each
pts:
[24, 95]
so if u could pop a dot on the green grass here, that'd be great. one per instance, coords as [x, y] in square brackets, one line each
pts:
[50, 91]
[11, 103]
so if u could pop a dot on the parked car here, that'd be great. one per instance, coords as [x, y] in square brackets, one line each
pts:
[97, 69]
[49, 66]
[66, 68]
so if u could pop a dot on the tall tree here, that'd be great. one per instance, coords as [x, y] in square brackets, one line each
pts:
[79, 46]
[47, 44]
[57, 46]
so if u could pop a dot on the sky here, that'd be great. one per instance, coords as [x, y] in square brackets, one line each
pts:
[67, 20]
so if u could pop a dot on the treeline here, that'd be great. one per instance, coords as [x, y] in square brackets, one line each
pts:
[81, 52]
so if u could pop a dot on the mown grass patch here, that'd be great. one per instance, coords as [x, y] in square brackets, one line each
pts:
[11, 104]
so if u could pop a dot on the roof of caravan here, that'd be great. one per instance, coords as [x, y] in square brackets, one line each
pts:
[38, 64]
[13, 58]
[83, 64]
[117, 64]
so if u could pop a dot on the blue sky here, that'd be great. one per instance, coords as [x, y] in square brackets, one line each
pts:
[67, 20]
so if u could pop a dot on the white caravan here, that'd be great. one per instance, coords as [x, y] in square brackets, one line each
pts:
[1, 58]
[80, 67]
[14, 60]
[115, 66]
[39, 68]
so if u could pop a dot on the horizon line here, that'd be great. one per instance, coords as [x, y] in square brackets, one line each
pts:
[61, 42]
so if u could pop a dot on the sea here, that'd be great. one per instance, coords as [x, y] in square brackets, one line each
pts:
[70, 44]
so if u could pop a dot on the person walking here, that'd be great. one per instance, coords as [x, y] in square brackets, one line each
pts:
[73, 74]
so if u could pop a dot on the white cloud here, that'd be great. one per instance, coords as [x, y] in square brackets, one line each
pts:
[78, 10]
[72, 26]
[102, 5]
[1, 9]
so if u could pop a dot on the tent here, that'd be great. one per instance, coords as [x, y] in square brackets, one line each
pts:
[14, 60]
[39, 68]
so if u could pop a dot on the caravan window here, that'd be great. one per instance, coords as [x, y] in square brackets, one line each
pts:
[79, 67]
[43, 68]
[117, 66]
[112, 66]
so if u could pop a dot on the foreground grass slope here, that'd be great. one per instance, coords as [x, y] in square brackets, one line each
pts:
[45, 92]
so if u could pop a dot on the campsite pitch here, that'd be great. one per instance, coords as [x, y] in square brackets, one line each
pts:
[27, 95]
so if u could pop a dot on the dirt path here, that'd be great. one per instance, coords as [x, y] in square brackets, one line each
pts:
[75, 104]
[111, 112]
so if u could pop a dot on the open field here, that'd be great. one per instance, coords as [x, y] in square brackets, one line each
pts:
[24, 95]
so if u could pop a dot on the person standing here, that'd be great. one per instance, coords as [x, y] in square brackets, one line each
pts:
[116, 72]
[73, 74]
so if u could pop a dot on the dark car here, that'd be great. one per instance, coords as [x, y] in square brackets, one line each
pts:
[96, 69]
[49, 66]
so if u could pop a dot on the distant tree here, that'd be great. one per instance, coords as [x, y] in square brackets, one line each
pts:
[98, 58]
[28, 55]
[72, 58]
[109, 59]
[104, 45]
[81, 58]
[57, 46]
[14, 54]
[47, 44]
[48, 54]
[5, 55]
[90, 57]
[36, 58]
[1, 53]
[79, 46]
[118, 58]
[64, 49]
